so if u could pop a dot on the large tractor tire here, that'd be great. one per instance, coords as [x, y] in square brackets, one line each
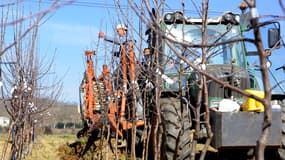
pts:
[176, 130]
[281, 150]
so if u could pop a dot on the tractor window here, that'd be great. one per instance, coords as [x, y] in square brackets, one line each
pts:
[227, 53]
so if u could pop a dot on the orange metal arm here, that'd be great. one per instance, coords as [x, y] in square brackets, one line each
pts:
[124, 64]
[105, 78]
[90, 100]
[109, 92]
[125, 82]
[132, 63]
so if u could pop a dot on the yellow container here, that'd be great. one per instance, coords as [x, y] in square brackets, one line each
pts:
[251, 104]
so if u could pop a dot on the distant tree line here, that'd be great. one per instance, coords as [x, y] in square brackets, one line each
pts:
[3, 129]
[65, 125]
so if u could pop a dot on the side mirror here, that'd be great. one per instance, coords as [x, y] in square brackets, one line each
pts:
[274, 38]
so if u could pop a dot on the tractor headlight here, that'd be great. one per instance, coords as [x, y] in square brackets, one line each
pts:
[228, 17]
[175, 17]
[168, 17]
[179, 16]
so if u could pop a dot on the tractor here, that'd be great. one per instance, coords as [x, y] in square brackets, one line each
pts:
[236, 120]
[163, 91]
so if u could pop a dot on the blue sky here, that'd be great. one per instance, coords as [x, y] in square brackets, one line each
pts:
[73, 29]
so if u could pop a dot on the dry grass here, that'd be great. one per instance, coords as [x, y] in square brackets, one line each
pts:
[45, 147]
[3, 139]
[57, 147]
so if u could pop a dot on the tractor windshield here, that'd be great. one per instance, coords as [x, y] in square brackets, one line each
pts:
[227, 53]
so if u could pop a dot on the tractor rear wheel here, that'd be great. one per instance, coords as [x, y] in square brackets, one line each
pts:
[176, 130]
